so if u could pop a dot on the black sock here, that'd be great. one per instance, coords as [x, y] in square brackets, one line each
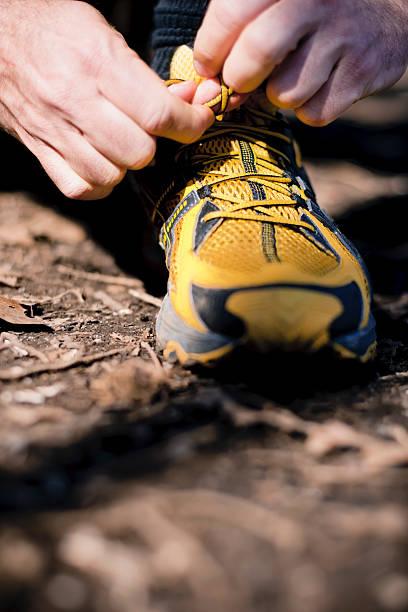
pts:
[175, 23]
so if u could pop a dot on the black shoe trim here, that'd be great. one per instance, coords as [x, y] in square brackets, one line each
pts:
[210, 305]
[204, 228]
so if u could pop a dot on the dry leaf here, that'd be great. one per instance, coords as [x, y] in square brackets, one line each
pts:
[14, 313]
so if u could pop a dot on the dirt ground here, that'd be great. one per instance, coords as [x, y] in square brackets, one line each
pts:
[131, 485]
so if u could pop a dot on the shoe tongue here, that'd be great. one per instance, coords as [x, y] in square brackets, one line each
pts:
[182, 65]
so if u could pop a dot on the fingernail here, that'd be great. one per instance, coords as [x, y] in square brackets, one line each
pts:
[206, 91]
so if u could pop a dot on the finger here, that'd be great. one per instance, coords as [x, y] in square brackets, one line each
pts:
[60, 172]
[336, 96]
[264, 44]
[222, 24]
[113, 134]
[136, 90]
[302, 73]
[203, 93]
[185, 90]
[210, 89]
[87, 162]
[77, 169]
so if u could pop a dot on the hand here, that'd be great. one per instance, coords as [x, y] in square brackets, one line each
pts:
[80, 99]
[317, 56]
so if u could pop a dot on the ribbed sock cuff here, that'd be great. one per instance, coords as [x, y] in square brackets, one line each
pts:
[175, 23]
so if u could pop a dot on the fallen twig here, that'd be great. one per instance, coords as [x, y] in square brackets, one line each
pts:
[76, 291]
[393, 376]
[146, 297]
[10, 341]
[152, 355]
[114, 305]
[18, 372]
[100, 278]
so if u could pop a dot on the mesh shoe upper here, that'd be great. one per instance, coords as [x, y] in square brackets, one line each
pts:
[238, 212]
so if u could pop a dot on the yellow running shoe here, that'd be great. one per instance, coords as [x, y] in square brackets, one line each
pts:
[252, 259]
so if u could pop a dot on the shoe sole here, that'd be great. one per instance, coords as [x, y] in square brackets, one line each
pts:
[189, 346]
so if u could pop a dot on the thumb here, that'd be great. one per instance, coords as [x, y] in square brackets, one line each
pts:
[221, 27]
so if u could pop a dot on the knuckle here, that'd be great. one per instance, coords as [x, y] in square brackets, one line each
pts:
[368, 67]
[281, 96]
[321, 120]
[57, 96]
[90, 59]
[146, 152]
[76, 78]
[260, 54]
[196, 131]
[101, 176]
[85, 191]
[358, 70]
[361, 65]
[315, 118]
[109, 178]
[76, 190]
[97, 193]
[82, 7]
[158, 120]
[263, 57]
[205, 55]
[318, 119]
[290, 99]
[227, 15]
[111, 47]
